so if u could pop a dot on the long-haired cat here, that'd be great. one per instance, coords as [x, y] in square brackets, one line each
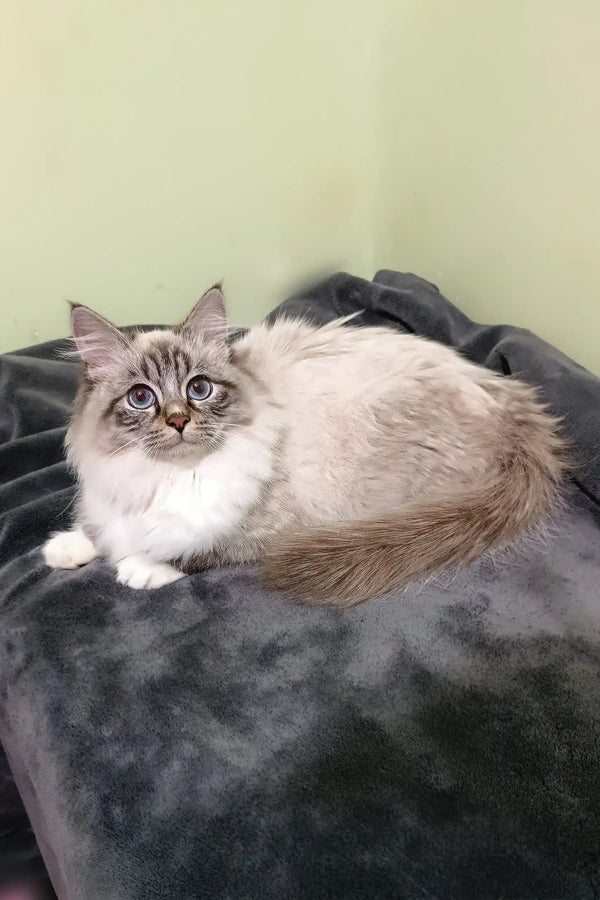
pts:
[346, 461]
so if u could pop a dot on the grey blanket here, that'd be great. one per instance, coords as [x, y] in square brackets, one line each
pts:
[209, 740]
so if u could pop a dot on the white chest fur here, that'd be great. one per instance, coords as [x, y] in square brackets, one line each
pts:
[166, 510]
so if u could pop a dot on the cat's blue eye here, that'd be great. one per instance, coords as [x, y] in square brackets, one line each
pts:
[141, 397]
[199, 389]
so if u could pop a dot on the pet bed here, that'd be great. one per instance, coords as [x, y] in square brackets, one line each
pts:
[208, 739]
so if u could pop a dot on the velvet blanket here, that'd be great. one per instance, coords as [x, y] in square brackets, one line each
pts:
[208, 739]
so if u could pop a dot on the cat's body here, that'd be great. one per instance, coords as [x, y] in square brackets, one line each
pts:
[426, 459]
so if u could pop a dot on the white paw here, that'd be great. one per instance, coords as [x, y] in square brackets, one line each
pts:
[140, 572]
[68, 550]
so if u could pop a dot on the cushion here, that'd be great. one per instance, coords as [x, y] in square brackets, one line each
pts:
[209, 739]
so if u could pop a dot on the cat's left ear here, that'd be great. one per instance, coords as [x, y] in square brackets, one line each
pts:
[208, 319]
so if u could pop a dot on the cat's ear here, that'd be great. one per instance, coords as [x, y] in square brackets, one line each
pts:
[208, 319]
[98, 340]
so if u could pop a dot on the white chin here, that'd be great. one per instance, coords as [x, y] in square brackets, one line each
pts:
[178, 449]
[181, 448]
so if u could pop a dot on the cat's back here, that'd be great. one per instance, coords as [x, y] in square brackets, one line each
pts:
[299, 362]
[356, 401]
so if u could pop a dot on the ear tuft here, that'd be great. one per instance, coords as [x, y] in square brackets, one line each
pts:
[97, 339]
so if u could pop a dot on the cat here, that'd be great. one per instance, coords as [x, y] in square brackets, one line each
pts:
[345, 460]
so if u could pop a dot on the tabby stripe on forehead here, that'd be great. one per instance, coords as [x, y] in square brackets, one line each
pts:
[183, 364]
[149, 369]
[164, 359]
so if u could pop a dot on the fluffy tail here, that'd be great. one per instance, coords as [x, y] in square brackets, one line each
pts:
[348, 562]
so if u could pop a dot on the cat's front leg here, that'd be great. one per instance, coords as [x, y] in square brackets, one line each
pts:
[140, 571]
[69, 549]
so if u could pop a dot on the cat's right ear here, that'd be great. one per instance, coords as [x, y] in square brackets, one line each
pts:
[98, 340]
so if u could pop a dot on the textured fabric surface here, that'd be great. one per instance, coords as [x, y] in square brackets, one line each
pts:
[209, 740]
[22, 873]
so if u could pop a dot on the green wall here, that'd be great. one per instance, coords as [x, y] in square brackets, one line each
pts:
[152, 147]
[490, 166]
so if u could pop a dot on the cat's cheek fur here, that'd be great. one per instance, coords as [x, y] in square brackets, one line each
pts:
[141, 572]
[69, 550]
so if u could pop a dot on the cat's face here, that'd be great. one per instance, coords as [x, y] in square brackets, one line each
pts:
[172, 394]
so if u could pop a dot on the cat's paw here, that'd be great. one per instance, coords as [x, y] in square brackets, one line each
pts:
[141, 572]
[68, 550]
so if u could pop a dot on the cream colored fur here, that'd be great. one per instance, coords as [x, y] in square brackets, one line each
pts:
[337, 425]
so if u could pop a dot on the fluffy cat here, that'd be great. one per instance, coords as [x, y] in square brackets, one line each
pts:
[346, 461]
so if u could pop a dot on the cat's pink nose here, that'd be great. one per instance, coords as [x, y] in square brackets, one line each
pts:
[179, 422]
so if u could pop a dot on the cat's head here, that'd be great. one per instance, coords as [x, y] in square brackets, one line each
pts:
[172, 394]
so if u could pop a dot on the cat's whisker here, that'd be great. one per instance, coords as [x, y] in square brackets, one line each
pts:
[70, 503]
[123, 446]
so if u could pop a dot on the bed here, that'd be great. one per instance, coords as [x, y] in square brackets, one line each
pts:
[209, 739]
